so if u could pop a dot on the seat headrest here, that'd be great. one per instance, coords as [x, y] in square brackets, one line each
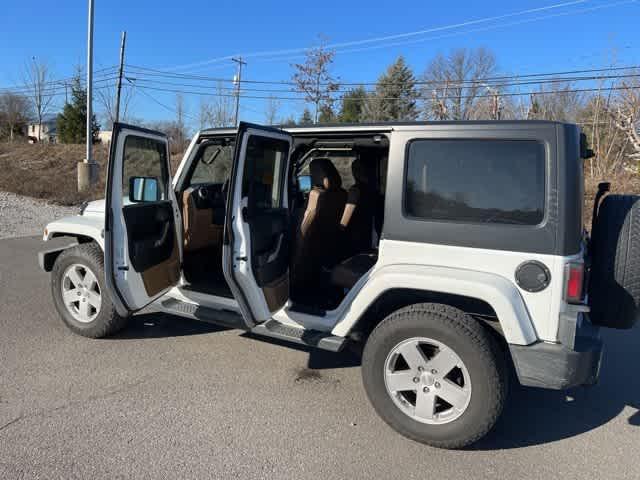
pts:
[362, 172]
[324, 174]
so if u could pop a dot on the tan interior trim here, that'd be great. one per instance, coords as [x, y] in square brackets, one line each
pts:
[163, 275]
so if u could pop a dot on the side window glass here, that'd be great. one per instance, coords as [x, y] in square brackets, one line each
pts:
[476, 181]
[214, 165]
[144, 168]
[265, 165]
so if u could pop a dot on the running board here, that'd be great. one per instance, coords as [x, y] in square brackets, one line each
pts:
[310, 338]
[225, 318]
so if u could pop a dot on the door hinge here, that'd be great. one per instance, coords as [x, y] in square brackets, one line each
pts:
[242, 259]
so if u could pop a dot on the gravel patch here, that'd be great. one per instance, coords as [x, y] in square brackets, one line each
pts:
[24, 216]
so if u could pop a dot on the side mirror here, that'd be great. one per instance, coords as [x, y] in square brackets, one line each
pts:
[143, 189]
[585, 151]
[304, 183]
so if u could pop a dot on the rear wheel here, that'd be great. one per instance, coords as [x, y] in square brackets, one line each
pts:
[79, 294]
[435, 375]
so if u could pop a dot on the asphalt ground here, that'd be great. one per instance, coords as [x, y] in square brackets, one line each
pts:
[171, 398]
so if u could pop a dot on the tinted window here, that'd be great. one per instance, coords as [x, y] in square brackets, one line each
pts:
[265, 162]
[144, 157]
[478, 181]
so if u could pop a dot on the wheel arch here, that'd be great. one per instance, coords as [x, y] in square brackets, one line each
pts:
[491, 298]
[84, 229]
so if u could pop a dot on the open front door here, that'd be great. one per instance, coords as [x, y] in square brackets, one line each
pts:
[257, 233]
[142, 238]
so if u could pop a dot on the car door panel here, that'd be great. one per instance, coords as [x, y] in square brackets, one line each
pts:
[142, 223]
[152, 246]
[257, 229]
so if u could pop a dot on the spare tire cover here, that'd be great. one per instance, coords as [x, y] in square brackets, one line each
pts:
[614, 281]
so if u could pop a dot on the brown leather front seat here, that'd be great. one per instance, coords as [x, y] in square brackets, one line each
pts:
[199, 229]
[360, 211]
[316, 237]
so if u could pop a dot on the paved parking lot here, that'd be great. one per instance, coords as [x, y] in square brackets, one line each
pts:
[170, 398]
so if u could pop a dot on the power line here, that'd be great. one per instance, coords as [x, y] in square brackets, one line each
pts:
[438, 85]
[165, 106]
[277, 55]
[557, 74]
[62, 81]
[508, 94]
[382, 38]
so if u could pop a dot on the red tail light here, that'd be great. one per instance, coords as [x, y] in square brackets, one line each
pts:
[574, 278]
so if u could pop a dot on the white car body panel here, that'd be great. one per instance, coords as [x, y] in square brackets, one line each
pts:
[85, 225]
[483, 274]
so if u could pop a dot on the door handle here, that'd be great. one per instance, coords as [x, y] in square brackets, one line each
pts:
[242, 259]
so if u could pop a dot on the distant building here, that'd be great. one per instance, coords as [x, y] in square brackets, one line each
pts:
[104, 136]
[47, 134]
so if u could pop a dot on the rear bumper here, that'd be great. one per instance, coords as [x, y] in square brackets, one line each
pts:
[558, 366]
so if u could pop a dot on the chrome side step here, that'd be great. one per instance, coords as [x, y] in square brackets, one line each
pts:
[311, 338]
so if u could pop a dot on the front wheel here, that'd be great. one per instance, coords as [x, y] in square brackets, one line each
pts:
[435, 375]
[79, 293]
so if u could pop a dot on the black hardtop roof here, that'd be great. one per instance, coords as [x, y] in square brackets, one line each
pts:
[391, 124]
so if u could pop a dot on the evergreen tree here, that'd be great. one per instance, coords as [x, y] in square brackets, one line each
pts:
[395, 96]
[326, 114]
[71, 123]
[306, 118]
[352, 105]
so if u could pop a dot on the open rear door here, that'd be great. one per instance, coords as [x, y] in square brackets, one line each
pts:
[257, 233]
[142, 233]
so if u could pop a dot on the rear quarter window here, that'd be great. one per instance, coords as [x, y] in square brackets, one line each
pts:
[475, 181]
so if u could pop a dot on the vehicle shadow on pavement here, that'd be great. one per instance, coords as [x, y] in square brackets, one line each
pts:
[535, 416]
[159, 325]
[318, 359]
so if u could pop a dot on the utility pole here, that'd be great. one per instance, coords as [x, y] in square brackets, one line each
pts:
[120, 72]
[238, 81]
[87, 170]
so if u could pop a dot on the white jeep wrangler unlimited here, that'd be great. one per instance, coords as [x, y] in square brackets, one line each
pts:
[454, 251]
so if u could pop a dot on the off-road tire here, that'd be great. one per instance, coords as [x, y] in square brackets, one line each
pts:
[107, 322]
[614, 286]
[474, 345]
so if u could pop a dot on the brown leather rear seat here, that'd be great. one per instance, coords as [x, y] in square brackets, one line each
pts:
[347, 273]
[315, 241]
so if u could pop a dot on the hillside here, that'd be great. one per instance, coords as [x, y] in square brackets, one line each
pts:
[50, 171]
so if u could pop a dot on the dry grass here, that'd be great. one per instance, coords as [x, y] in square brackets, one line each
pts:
[50, 171]
[625, 182]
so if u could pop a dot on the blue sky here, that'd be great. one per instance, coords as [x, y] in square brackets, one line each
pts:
[168, 34]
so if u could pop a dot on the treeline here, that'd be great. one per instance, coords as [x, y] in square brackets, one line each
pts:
[33, 105]
[466, 84]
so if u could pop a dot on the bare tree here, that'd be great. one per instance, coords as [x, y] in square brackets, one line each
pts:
[314, 79]
[556, 101]
[107, 98]
[627, 117]
[454, 83]
[14, 113]
[220, 111]
[271, 110]
[37, 79]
